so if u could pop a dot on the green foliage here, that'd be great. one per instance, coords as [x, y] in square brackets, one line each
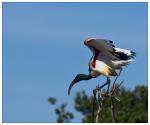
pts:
[52, 100]
[132, 108]
[83, 104]
[62, 115]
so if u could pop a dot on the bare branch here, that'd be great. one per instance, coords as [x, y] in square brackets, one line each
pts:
[101, 97]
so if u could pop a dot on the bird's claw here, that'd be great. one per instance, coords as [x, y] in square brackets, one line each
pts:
[96, 89]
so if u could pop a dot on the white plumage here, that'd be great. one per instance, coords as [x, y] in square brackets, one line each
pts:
[125, 51]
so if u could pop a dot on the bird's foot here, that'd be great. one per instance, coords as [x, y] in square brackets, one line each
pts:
[96, 89]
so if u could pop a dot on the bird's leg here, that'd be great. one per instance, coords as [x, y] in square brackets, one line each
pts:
[98, 88]
[108, 81]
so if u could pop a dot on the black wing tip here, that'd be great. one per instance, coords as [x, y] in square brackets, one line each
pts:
[133, 54]
[110, 41]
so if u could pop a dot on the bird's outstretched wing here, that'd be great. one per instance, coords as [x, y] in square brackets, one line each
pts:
[105, 47]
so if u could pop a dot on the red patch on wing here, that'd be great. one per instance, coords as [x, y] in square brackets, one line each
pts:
[95, 57]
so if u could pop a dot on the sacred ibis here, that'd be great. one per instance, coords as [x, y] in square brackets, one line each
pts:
[106, 60]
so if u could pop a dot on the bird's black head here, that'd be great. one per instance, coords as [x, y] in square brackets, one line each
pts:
[78, 78]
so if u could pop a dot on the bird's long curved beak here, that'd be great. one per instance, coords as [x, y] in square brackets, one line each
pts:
[70, 87]
[78, 78]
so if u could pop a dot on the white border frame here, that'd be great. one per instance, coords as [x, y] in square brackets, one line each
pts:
[64, 1]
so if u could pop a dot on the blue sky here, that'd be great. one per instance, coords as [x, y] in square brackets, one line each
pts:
[43, 50]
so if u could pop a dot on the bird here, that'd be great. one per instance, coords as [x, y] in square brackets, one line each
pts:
[106, 60]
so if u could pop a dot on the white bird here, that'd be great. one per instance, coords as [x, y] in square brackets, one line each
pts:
[106, 60]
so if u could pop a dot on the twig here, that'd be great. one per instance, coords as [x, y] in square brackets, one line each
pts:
[115, 88]
[112, 108]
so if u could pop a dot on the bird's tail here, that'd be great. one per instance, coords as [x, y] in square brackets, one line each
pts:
[118, 64]
[124, 54]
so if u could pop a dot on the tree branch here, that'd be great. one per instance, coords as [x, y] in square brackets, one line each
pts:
[104, 96]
